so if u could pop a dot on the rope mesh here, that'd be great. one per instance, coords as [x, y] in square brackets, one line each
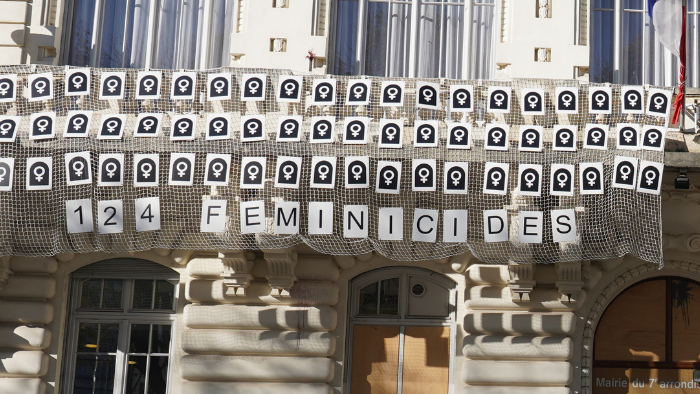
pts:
[34, 224]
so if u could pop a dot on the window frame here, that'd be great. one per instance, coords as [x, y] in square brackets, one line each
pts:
[403, 320]
[125, 317]
[668, 58]
[668, 344]
[203, 57]
[468, 58]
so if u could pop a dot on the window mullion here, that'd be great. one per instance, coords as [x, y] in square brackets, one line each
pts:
[150, 34]
[387, 56]
[413, 33]
[361, 26]
[617, 53]
[97, 34]
[204, 53]
[399, 377]
[126, 32]
[120, 374]
[669, 320]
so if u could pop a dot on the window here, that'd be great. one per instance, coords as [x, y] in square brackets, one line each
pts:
[649, 334]
[637, 57]
[120, 329]
[166, 34]
[415, 38]
[402, 332]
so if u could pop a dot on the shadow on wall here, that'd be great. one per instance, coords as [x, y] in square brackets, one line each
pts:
[520, 323]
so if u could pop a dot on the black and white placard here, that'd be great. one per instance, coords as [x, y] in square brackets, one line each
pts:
[425, 133]
[148, 85]
[323, 92]
[496, 178]
[424, 175]
[39, 173]
[289, 89]
[288, 172]
[110, 217]
[459, 136]
[461, 98]
[499, 99]
[181, 169]
[217, 169]
[456, 178]
[358, 92]
[183, 85]
[111, 169]
[323, 170]
[79, 216]
[388, 177]
[77, 124]
[253, 87]
[532, 101]
[653, 138]
[650, 174]
[322, 129]
[146, 170]
[391, 133]
[497, 137]
[591, 178]
[627, 136]
[428, 95]
[600, 100]
[659, 102]
[564, 138]
[147, 213]
[596, 136]
[183, 127]
[289, 128]
[40, 86]
[78, 168]
[562, 180]
[148, 125]
[356, 130]
[111, 127]
[7, 171]
[43, 126]
[356, 172]
[392, 93]
[219, 86]
[253, 171]
[77, 82]
[112, 85]
[531, 139]
[567, 100]
[632, 100]
[625, 172]
[9, 126]
[8, 88]
[530, 180]
[219, 127]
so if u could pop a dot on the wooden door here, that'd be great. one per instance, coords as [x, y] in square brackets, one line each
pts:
[375, 360]
[426, 360]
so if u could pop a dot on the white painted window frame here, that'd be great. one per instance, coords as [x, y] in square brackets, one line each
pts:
[203, 48]
[402, 320]
[124, 317]
[413, 38]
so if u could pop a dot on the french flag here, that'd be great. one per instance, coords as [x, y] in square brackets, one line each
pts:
[669, 23]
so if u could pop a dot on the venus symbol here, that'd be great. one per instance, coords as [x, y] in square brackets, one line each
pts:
[4, 87]
[424, 173]
[181, 168]
[39, 172]
[146, 169]
[40, 86]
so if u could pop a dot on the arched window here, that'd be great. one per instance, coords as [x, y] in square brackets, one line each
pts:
[624, 48]
[415, 38]
[402, 327]
[649, 338]
[120, 321]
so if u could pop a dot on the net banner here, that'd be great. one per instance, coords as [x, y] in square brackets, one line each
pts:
[125, 160]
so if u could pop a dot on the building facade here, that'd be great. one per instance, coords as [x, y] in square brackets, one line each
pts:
[258, 321]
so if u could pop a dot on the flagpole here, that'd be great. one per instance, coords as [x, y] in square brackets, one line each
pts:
[679, 103]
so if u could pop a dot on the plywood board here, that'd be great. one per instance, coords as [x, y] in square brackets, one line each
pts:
[426, 360]
[643, 381]
[375, 360]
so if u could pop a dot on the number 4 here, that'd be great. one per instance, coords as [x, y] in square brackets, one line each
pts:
[147, 211]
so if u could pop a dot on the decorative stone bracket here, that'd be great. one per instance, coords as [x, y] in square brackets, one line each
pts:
[280, 266]
[682, 243]
[236, 271]
[521, 281]
[4, 271]
[569, 279]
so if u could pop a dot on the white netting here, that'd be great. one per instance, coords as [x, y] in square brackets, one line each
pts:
[34, 223]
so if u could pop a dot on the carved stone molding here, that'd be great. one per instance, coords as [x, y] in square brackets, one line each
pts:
[569, 279]
[682, 243]
[521, 281]
[236, 271]
[280, 266]
[4, 271]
